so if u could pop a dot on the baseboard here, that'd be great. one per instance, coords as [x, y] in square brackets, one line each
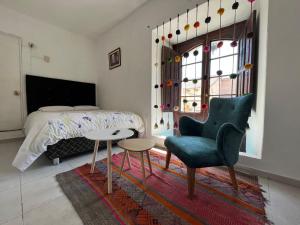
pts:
[275, 177]
[8, 135]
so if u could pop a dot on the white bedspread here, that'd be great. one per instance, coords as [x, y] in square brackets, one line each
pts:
[47, 128]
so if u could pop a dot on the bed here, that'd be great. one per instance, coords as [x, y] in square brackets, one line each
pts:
[59, 134]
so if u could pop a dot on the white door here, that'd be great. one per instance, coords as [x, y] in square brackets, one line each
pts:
[10, 83]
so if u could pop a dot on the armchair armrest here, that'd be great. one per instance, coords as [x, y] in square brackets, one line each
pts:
[190, 127]
[229, 139]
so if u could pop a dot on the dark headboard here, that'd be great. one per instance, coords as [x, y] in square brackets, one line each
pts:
[42, 91]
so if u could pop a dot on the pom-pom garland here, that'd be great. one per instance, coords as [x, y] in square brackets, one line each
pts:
[187, 27]
[195, 104]
[185, 79]
[208, 19]
[235, 5]
[196, 52]
[233, 76]
[178, 32]
[177, 58]
[220, 44]
[221, 11]
[186, 55]
[170, 35]
[219, 72]
[195, 81]
[197, 24]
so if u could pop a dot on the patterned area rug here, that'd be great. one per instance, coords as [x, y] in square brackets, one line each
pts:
[162, 199]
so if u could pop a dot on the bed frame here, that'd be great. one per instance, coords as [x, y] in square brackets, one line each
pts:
[42, 91]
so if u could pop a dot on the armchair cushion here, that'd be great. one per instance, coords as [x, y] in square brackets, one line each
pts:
[190, 127]
[194, 151]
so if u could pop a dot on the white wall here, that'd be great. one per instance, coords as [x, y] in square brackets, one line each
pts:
[281, 149]
[275, 123]
[72, 56]
[128, 87]
[256, 121]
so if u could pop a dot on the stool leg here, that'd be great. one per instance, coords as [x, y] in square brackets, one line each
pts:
[142, 162]
[94, 156]
[123, 162]
[149, 162]
[128, 160]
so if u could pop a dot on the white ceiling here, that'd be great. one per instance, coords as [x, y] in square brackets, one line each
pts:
[87, 17]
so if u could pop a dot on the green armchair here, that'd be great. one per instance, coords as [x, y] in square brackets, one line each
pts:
[215, 142]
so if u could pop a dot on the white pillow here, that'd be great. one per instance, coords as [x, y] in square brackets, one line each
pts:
[85, 107]
[56, 108]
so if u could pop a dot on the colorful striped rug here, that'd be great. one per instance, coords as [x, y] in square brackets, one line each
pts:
[162, 199]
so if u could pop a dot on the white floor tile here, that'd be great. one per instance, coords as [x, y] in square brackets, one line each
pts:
[284, 204]
[41, 191]
[16, 221]
[43, 168]
[59, 211]
[10, 201]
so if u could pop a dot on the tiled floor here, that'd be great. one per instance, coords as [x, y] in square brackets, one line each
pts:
[34, 197]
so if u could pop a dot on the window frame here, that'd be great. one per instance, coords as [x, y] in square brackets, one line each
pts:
[187, 46]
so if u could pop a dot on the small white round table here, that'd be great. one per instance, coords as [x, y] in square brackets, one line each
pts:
[106, 135]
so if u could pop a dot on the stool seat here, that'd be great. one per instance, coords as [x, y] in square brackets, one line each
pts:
[139, 145]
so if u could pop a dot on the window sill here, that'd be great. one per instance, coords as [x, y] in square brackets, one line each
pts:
[159, 141]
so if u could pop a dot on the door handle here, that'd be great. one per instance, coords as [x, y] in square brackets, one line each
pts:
[17, 93]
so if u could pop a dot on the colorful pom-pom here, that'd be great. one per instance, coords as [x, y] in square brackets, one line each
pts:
[177, 58]
[163, 38]
[248, 66]
[156, 40]
[161, 121]
[176, 84]
[169, 83]
[156, 106]
[235, 5]
[204, 106]
[185, 101]
[187, 27]
[170, 35]
[195, 81]
[161, 85]
[170, 60]
[251, 1]
[162, 63]
[186, 55]
[207, 19]
[162, 106]
[185, 79]
[156, 86]
[206, 48]
[175, 125]
[219, 72]
[168, 105]
[221, 11]
[233, 76]
[204, 77]
[197, 24]
[176, 108]
[178, 32]
[250, 35]
[220, 44]
[233, 44]
[195, 104]
[196, 52]
[155, 126]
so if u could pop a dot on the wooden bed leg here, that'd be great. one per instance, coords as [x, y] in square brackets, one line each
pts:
[168, 158]
[55, 161]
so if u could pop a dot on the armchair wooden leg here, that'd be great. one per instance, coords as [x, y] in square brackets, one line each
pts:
[233, 178]
[168, 158]
[191, 181]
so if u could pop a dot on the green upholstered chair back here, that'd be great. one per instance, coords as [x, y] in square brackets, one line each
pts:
[227, 110]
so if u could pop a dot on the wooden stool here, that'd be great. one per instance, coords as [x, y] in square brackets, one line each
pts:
[139, 146]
